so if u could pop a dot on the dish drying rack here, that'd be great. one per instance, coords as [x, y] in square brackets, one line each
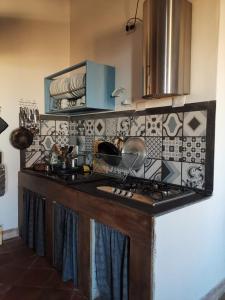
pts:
[110, 165]
[87, 86]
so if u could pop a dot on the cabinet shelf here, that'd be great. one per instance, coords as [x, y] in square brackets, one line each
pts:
[97, 91]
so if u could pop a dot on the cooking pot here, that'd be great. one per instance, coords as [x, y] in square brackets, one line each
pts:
[21, 138]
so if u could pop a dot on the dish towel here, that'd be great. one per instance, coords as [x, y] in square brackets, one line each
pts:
[111, 259]
[65, 242]
[33, 231]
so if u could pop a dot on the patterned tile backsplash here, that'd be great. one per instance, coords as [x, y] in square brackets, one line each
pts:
[175, 140]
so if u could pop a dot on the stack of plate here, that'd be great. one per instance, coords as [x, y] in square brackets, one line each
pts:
[68, 88]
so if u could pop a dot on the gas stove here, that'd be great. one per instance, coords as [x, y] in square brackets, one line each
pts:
[145, 191]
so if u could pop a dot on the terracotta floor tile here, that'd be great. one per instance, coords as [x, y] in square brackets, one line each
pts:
[5, 259]
[35, 277]
[41, 263]
[8, 275]
[23, 293]
[25, 276]
[54, 294]
[4, 288]
[55, 281]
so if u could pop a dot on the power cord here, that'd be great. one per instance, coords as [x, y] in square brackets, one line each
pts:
[131, 23]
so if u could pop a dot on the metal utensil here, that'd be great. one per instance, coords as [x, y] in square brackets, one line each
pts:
[135, 146]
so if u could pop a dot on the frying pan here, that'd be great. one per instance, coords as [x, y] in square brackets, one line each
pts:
[21, 138]
[111, 154]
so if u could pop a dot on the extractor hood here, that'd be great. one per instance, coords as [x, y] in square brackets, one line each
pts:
[167, 48]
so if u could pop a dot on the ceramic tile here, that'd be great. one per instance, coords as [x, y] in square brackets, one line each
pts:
[153, 147]
[89, 143]
[172, 148]
[154, 125]
[193, 175]
[171, 172]
[62, 127]
[111, 126]
[123, 126]
[153, 169]
[32, 157]
[80, 127]
[62, 140]
[100, 127]
[35, 144]
[73, 128]
[173, 124]
[47, 142]
[89, 127]
[195, 123]
[47, 127]
[194, 149]
[138, 126]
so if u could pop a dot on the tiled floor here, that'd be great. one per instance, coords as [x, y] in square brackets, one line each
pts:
[25, 276]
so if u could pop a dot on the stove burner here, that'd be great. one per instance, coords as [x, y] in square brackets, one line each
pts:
[146, 191]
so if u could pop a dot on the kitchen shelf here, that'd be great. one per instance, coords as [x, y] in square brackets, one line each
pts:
[99, 85]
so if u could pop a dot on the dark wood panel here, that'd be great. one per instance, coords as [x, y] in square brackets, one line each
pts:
[133, 223]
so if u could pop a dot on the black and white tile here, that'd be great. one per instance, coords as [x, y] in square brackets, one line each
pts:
[193, 175]
[100, 127]
[153, 147]
[73, 128]
[32, 157]
[195, 123]
[62, 127]
[81, 127]
[48, 127]
[35, 146]
[89, 127]
[47, 142]
[171, 172]
[123, 126]
[138, 126]
[172, 148]
[89, 143]
[154, 125]
[194, 149]
[153, 169]
[173, 124]
[111, 126]
[62, 140]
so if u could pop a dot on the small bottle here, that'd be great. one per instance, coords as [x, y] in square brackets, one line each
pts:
[2, 177]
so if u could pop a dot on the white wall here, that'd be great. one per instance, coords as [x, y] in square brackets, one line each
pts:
[190, 243]
[98, 33]
[34, 37]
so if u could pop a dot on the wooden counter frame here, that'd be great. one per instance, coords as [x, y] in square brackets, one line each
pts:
[131, 222]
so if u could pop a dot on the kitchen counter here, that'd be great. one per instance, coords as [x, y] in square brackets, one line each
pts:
[89, 187]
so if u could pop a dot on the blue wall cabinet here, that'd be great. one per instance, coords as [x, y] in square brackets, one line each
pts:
[66, 93]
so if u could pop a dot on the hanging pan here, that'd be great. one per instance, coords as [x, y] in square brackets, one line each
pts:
[21, 138]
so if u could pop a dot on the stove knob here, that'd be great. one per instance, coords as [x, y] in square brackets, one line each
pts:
[117, 191]
[129, 194]
[113, 190]
[123, 193]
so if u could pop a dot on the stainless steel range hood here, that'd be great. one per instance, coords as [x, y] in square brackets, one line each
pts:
[167, 47]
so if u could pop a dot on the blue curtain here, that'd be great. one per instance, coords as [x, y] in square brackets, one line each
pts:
[111, 259]
[65, 242]
[33, 231]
